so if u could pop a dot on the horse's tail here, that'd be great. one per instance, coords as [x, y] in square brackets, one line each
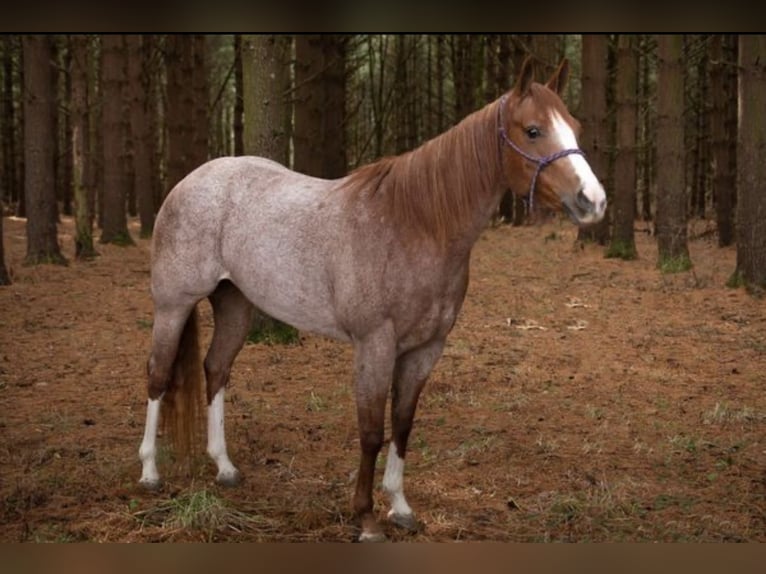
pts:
[182, 402]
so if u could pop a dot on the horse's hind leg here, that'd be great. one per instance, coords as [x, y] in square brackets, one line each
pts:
[169, 323]
[412, 370]
[233, 315]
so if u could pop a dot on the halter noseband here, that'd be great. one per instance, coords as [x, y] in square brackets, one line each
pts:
[540, 161]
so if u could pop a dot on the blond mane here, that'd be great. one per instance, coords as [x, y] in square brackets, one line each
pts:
[435, 189]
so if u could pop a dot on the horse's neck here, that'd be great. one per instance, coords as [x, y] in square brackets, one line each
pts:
[456, 179]
[481, 174]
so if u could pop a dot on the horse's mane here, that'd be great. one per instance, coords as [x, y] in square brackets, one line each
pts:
[435, 189]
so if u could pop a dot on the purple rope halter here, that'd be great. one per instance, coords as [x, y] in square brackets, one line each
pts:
[540, 161]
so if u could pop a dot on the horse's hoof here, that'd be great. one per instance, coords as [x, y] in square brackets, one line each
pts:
[406, 522]
[151, 484]
[372, 537]
[230, 479]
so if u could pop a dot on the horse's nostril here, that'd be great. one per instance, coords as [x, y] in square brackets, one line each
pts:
[583, 201]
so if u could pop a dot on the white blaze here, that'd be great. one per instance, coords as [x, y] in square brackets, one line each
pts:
[591, 186]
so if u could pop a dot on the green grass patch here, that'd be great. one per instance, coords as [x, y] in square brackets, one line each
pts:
[122, 239]
[677, 264]
[273, 332]
[46, 259]
[202, 511]
[737, 280]
[625, 250]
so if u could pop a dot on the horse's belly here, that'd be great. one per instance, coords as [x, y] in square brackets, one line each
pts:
[304, 310]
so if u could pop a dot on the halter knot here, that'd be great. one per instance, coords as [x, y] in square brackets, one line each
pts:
[540, 161]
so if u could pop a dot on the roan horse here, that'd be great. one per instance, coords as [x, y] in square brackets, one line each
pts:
[378, 258]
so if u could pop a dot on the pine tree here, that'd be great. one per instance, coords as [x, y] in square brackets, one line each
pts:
[39, 136]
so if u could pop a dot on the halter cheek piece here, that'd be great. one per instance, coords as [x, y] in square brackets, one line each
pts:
[540, 161]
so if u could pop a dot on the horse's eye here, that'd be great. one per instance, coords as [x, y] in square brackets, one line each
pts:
[532, 132]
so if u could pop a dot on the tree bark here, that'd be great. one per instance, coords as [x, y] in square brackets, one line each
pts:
[646, 134]
[81, 157]
[115, 222]
[751, 169]
[200, 115]
[595, 122]
[623, 244]
[335, 160]
[671, 220]
[39, 136]
[138, 86]
[179, 113]
[239, 107]
[5, 278]
[10, 181]
[65, 153]
[723, 175]
[307, 135]
[265, 78]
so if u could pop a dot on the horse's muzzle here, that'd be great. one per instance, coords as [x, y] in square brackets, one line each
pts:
[584, 211]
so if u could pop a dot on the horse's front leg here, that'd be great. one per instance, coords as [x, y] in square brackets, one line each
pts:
[412, 370]
[374, 360]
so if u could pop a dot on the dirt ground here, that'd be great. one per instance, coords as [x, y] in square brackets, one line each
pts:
[579, 399]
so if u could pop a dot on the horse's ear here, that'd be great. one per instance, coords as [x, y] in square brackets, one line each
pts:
[558, 80]
[525, 78]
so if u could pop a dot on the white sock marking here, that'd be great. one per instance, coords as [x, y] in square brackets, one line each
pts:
[393, 482]
[147, 452]
[216, 440]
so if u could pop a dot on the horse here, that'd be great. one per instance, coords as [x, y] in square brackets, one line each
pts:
[378, 258]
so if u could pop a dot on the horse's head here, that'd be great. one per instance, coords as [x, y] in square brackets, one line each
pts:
[539, 141]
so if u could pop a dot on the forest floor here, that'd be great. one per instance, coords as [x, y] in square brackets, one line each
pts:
[579, 399]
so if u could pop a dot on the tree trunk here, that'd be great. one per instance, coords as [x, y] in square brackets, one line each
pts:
[138, 87]
[623, 244]
[56, 103]
[154, 115]
[200, 115]
[239, 107]
[307, 135]
[334, 138]
[264, 81]
[514, 202]
[10, 181]
[67, 156]
[21, 208]
[595, 122]
[319, 137]
[402, 95]
[723, 176]
[462, 52]
[503, 83]
[115, 222]
[702, 143]
[751, 169]
[5, 278]
[646, 140]
[39, 136]
[83, 241]
[96, 99]
[180, 109]
[264, 74]
[671, 220]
